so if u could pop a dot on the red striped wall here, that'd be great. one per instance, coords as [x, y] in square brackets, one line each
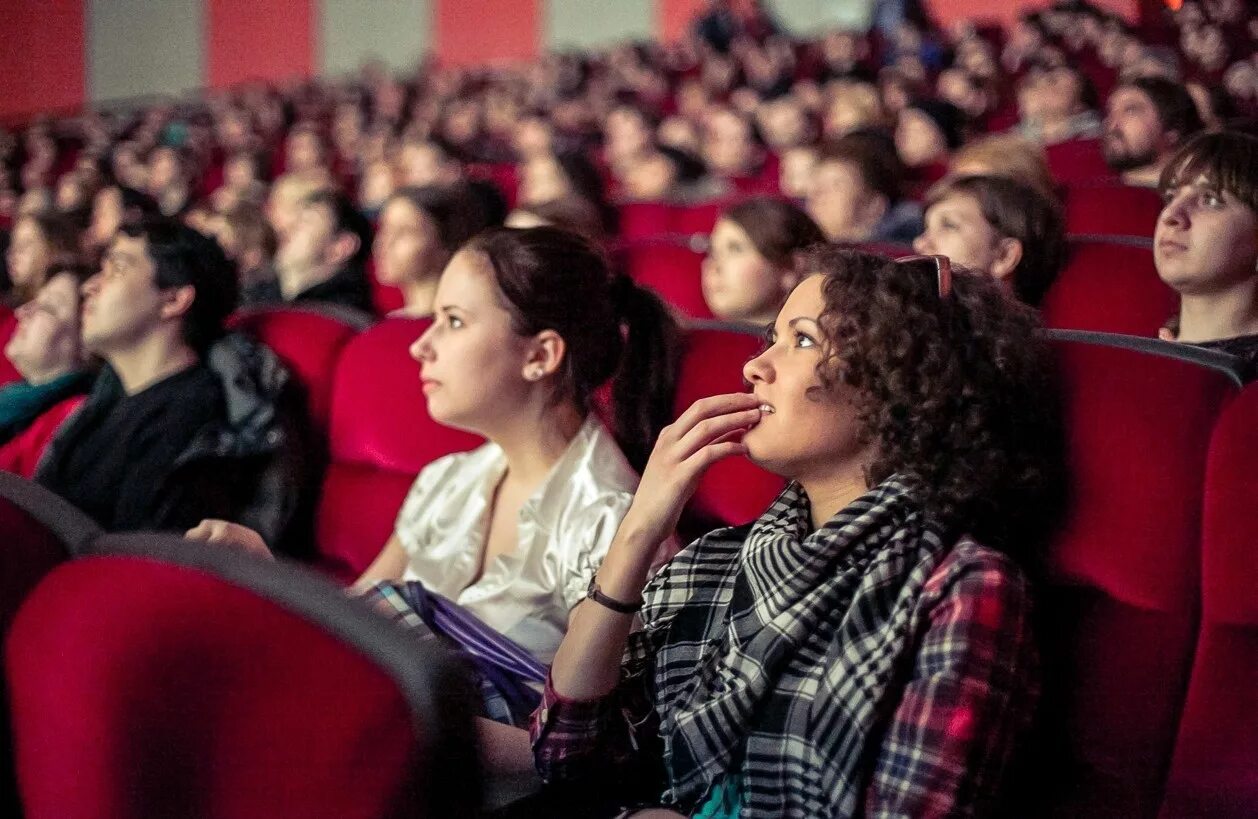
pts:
[248, 39]
[673, 17]
[42, 63]
[472, 32]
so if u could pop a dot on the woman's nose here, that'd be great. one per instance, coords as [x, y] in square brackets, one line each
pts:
[758, 369]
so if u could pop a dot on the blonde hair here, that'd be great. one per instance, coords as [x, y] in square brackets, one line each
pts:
[1009, 156]
[859, 101]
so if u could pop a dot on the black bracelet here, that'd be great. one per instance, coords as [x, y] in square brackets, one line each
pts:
[596, 594]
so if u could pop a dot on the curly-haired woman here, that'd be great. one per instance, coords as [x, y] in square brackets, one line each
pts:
[865, 646]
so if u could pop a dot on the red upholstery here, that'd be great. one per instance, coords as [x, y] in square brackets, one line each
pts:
[380, 438]
[170, 690]
[39, 532]
[734, 491]
[1111, 287]
[384, 297]
[1215, 769]
[308, 341]
[673, 271]
[1112, 210]
[21, 453]
[1121, 611]
[8, 323]
[639, 220]
[1077, 160]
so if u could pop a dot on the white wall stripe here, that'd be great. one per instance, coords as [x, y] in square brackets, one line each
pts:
[141, 47]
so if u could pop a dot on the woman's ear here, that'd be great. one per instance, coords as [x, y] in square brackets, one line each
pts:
[1008, 255]
[545, 355]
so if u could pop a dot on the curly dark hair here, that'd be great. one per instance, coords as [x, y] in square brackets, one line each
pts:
[957, 391]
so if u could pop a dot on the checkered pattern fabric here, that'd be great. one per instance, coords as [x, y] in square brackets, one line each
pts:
[862, 669]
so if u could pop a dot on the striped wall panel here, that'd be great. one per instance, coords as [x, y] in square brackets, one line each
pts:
[138, 47]
[57, 54]
[41, 55]
[396, 32]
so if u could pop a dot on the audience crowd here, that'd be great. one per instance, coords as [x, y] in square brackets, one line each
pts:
[751, 673]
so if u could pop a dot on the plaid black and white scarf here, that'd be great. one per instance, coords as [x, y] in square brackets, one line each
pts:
[777, 656]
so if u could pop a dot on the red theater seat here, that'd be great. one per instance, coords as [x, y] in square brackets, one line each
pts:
[1112, 210]
[380, 437]
[38, 530]
[308, 340]
[673, 270]
[1078, 160]
[734, 491]
[639, 220]
[1215, 769]
[162, 678]
[1109, 286]
[1121, 608]
[8, 323]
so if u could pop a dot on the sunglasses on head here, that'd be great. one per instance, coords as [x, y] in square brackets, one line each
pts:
[943, 270]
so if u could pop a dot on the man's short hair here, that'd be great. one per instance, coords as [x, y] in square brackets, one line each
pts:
[1176, 110]
[345, 219]
[1227, 159]
[182, 257]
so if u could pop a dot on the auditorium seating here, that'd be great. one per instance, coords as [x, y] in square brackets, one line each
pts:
[1077, 160]
[1111, 209]
[160, 678]
[380, 436]
[308, 340]
[1215, 768]
[673, 269]
[733, 491]
[1121, 609]
[38, 530]
[1109, 285]
[640, 220]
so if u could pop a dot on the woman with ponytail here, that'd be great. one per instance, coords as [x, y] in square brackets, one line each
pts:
[494, 547]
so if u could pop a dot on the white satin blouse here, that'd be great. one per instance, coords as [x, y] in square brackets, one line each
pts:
[565, 529]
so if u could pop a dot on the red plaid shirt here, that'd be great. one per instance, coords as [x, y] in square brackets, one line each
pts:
[970, 694]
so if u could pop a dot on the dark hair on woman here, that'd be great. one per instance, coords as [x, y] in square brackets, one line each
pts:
[1016, 211]
[552, 279]
[955, 390]
[777, 228]
[450, 208]
[587, 182]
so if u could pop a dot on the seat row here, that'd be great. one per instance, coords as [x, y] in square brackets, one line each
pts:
[1151, 632]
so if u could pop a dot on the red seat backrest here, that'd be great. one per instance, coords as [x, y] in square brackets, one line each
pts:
[734, 491]
[8, 323]
[672, 270]
[170, 686]
[1112, 209]
[1112, 287]
[639, 220]
[1121, 607]
[308, 341]
[1078, 160]
[39, 532]
[380, 437]
[1215, 768]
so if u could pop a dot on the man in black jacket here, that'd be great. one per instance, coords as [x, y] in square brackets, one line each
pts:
[183, 423]
[324, 257]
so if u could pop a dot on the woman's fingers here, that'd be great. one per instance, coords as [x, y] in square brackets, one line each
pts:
[714, 429]
[714, 405]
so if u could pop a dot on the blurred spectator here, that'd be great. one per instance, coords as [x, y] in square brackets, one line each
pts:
[750, 266]
[572, 213]
[48, 353]
[419, 230]
[1056, 103]
[856, 192]
[37, 244]
[927, 132]
[323, 257]
[170, 180]
[730, 145]
[247, 239]
[853, 105]
[113, 206]
[1005, 155]
[1149, 119]
[997, 226]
